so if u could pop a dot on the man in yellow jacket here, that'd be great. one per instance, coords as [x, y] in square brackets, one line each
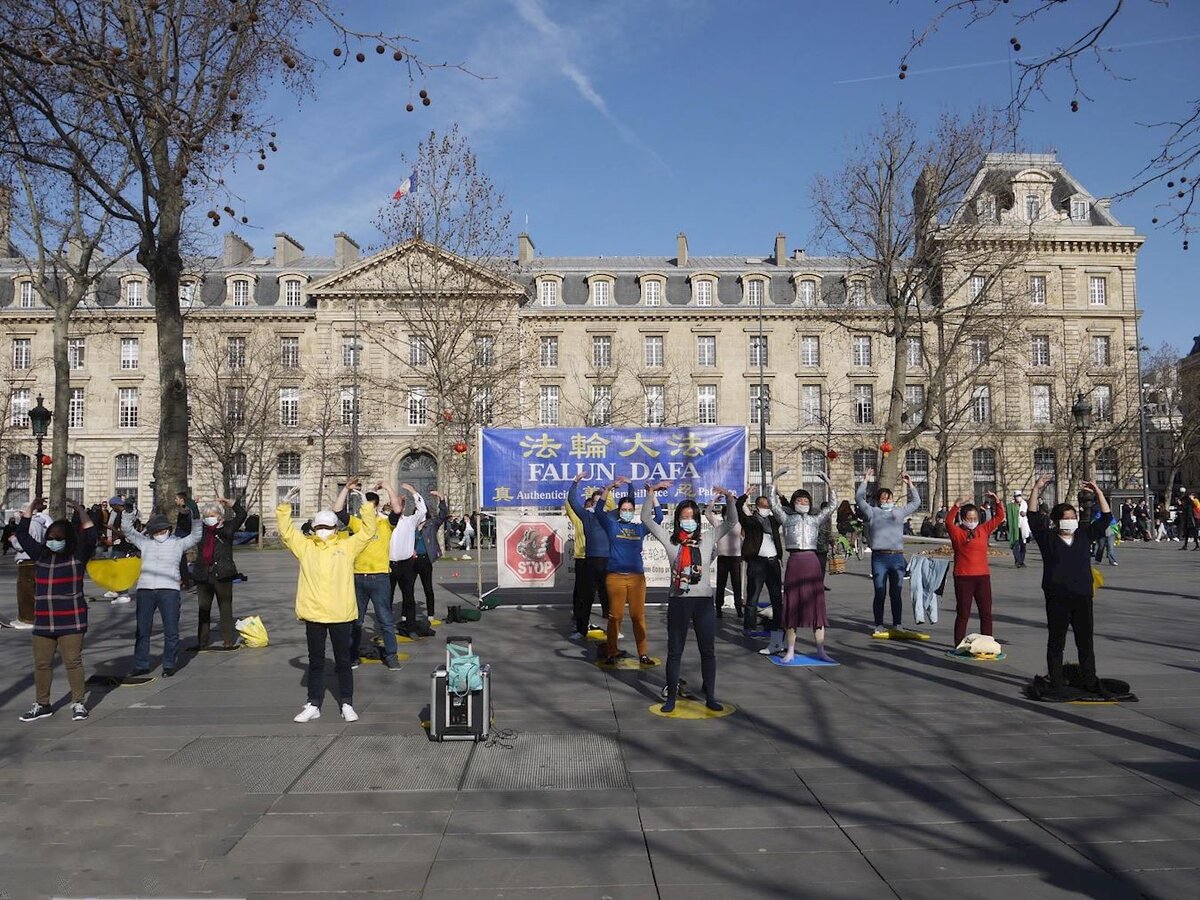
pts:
[325, 598]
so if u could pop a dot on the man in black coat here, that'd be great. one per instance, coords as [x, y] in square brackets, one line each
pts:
[762, 550]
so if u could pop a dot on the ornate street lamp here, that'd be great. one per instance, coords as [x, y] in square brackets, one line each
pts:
[39, 421]
[1081, 409]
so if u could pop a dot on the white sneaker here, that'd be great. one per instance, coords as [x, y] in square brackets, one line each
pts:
[110, 594]
[309, 713]
[21, 626]
[348, 713]
[575, 636]
[124, 598]
[879, 629]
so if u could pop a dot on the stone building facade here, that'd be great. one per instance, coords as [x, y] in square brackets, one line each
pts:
[623, 341]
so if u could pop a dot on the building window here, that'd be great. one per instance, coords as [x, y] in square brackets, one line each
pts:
[1102, 402]
[754, 291]
[236, 351]
[653, 291]
[134, 295]
[601, 351]
[760, 404]
[484, 407]
[548, 292]
[656, 407]
[862, 349]
[807, 294]
[485, 351]
[810, 404]
[759, 355]
[75, 409]
[914, 403]
[351, 408]
[916, 463]
[706, 350]
[985, 209]
[1045, 462]
[865, 459]
[418, 407]
[22, 353]
[981, 404]
[27, 295]
[187, 294]
[915, 354]
[418, 352]
[857, 293]
[1033, 207]
[187, 351]
[812, 465]
[287, 476]
[1097, 290]
[16, 493]
[704, 292]
[654, 351]
[129, 353]
[601, 293]
[548, 352]
[548, 405]
[1107, 470]
[810, 350]
[1037, 290]
[1101, 345]
[1039, 350]
[601, 411]
[289, 352]
[983, 467]
[706, 404]
[19, 404]
[289, 407]
[978, 350]
[126, 477]
[291, 292]
[75, 477]
[75, 354]
[241, 292]
[127, 407]
[235, 406]
[977, 286]
[239, 472]
[762, 466]
[1039, 404]
[1079, 210]
[864, 404]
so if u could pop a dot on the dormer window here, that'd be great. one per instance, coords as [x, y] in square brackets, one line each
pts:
[985, 209]
[652, 291]
[755, 291]
[856, 293]
[241, 292]
[806, 292]
[1080, 211]
[28, 297]
[292, 292]
[135, 293]
[600, 287]
[548, 292]
[702, 291]
[187, 294]
[1033, 207]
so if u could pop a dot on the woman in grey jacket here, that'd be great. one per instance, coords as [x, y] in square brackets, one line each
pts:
[690, 601]
[803, 580]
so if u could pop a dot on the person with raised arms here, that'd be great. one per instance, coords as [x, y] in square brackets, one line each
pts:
[803, 580]
[885, 537]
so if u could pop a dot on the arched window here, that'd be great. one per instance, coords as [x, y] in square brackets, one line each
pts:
[75, 477]
[1107, 470]
[16, 493]
[916, 463]
[420, 470]
[287, 476]
[125, 478]
[807, 293]
[864, 458]
[757, 473]
[1045, 462]
[812, 464]
[239, 469]
[983, 471]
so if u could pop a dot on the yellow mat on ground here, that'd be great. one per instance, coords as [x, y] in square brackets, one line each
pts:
[901, 634]
[597, 634]
[368, 660]
[627, 662]
[693, 709]
[115, 574]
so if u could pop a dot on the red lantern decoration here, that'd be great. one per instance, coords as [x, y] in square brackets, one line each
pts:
[46, 460]
[831, 455]
[460, 447]
[886, 447]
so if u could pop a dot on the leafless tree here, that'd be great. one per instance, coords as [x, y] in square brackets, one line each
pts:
[1171, 410]
[172, 90]
[1085, 46]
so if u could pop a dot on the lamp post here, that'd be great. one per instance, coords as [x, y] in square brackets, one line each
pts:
[1081, 409]
[762, 406]
[39, 421]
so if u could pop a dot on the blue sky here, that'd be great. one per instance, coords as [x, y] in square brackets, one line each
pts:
[614, 125]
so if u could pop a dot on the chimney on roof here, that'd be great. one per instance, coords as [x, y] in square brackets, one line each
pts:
[681, 253]
[235, 252]
[525, 249]
[287, 249]
[345, 249]
[798, 253]
[780, 249]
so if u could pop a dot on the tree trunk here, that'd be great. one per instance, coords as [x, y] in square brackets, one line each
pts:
[62, 411]
[889, 468]
[165, 265]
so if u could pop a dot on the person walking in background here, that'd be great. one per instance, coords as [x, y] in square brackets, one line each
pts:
[886, 540]
[972, 573]
[1107, 542]
[1018, 527]
[158, 589]
[214, 569]
[60, 616]
[729, 555]
[372, 576]
[325, 598]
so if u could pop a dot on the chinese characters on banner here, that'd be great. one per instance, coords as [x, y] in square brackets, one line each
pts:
[535, 466]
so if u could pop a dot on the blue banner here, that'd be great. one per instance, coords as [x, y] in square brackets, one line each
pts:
[535, 466]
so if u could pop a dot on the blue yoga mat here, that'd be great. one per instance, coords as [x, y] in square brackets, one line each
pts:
[758, 634]
[800, 660]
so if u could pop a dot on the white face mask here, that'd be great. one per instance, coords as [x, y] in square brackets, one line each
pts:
[324, 533]
[888, 505]
[210, 520]
[970, 526]
[56, 546]
[162, 536]
[765, 513]
[802, 508]
[1068, 526]
[627, 515]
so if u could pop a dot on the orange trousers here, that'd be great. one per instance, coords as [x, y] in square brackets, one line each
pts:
[626, 588]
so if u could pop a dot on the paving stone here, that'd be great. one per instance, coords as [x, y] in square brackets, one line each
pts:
[549, 762]
[783, 869]
[1047, 886]
[507, 874]
[528, 820]
[358, 823]
[381, 762]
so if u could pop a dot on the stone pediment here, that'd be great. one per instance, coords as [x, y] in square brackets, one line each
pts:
[414, 267]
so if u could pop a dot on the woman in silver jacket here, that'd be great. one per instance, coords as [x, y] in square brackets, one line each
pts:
[803, 581]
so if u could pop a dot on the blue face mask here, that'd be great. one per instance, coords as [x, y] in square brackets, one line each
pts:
[888, 505]
[688, 525]
[56, 546]
[627, 515]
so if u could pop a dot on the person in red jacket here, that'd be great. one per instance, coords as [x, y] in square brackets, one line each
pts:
[972, 576]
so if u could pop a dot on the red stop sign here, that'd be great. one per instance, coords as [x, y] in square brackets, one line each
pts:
[532, 552]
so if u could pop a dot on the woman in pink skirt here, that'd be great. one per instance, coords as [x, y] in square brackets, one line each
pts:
[803, 581]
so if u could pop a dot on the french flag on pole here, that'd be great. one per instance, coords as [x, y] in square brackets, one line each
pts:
[408, 186]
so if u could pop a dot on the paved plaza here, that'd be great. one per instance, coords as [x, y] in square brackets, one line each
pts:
[900, 773]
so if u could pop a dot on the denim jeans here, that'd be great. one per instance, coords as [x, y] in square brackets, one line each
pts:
[1018, 550]
[887, 572]
[167, 603]
[375, 589]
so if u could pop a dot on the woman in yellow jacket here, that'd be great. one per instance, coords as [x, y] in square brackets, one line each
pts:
[325, 599]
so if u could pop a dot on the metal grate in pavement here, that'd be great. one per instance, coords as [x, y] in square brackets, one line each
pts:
[541, 762]
[264, 765]
[376, 762]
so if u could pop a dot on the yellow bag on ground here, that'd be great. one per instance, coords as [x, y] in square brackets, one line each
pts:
[115, 574]
[252, 630]
[1097, 579]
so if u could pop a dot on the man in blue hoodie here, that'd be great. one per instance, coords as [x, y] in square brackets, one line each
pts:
[595, 541]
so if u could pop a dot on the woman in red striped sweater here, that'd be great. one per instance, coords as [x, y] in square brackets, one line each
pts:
[60, 609]
[972, 574]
